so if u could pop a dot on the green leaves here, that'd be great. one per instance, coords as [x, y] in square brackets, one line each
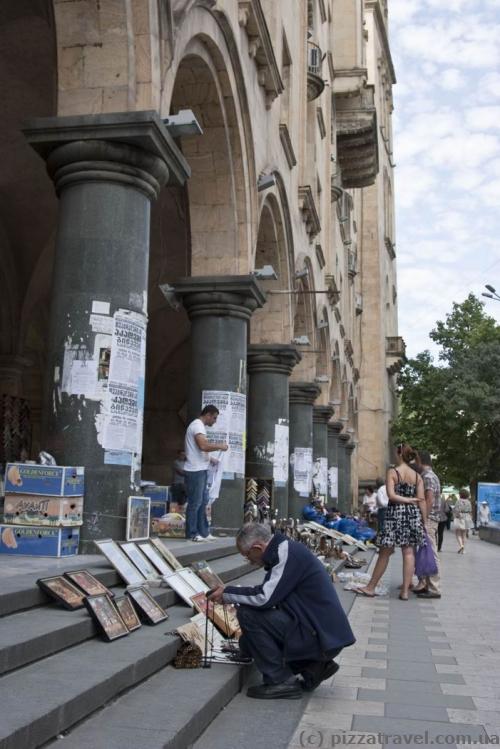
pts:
[453, 409]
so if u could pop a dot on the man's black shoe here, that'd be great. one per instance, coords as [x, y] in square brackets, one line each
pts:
[275, 692]
[428, 594]
[313, 677]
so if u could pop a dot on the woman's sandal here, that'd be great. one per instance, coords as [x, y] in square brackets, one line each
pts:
[402, 597]
[362, 592]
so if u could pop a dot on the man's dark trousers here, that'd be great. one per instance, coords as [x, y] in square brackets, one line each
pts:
[264, 633]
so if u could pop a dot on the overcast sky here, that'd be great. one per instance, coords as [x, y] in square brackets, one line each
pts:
[447, 151]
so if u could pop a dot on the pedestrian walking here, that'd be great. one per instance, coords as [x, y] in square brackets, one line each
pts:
[430, 585]
[404, 521]
[196, 466]
[444, 514]
[462, 518]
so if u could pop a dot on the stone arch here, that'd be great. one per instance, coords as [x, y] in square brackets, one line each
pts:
[304, 322]
[273, 322]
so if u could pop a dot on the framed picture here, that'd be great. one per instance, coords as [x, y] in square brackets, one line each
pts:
[88, 583]
[203, 570]
[122, 564]
[128, 613]
[224, 617]
[166, 554]
[63, 591]
[138, 514]
[149, 609]
[194, 581]
[181, 586]
[103, 611]
[141, 562]
[155, 557]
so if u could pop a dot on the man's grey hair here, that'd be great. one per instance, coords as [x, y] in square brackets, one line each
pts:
[252, 533]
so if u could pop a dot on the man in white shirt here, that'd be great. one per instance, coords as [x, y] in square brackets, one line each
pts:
[197, 449]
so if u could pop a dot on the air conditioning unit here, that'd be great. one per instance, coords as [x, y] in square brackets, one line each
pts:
[314, 59]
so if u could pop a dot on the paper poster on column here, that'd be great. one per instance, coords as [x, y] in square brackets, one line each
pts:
[124, 403]
[320, 476]
[280, 459]
[302, 470]
[333, 482]
[230, 426]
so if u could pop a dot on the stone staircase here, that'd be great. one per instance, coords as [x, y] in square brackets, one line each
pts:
[62, 685]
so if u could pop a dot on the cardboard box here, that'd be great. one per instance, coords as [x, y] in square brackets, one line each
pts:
[52, 481]
[157, 493]
[39, 541]
[30, 509]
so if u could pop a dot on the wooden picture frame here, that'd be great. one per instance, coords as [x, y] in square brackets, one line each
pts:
[140, 560]
[120, 561]
[149, 609]
[107, 617]
[128, 613]
[198, 585]
[181, 586]
[138, 518]
[169, 557]
[223, 616]
[63, 591]
[90, 585]
[155, 557]
[206, 573]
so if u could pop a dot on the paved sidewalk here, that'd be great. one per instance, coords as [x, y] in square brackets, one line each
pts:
[419, 668]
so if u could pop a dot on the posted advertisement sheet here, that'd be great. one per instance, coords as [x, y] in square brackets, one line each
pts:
[302, 469]
[230, 426]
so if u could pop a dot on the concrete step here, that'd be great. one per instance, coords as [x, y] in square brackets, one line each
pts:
[18, 575]
[31, 635]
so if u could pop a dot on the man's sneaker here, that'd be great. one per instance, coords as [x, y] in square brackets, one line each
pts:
[197, 539]
[210, 538]
[314, 676]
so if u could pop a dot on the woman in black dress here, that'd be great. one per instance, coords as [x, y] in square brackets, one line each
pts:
[404, 520]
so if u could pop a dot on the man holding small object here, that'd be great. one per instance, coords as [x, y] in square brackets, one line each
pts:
[197, 449]
[293, 622]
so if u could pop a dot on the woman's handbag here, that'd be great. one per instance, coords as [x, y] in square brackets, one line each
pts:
[425, 562]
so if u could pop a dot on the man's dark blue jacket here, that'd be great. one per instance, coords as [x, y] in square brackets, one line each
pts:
[298, 583]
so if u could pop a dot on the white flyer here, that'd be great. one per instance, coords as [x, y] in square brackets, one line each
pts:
[280, 459]
[333, 482]
[302, 469]
[230, 426]
[320, 476]
[83, 377]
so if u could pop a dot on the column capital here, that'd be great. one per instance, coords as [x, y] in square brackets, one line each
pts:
[350, 447]
[220, 296]
[280, 358]
[304, 392]
[344, 438]
[322, 414]
[334, 428]
[130, 148]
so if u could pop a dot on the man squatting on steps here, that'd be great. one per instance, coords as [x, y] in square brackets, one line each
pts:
[293, 622]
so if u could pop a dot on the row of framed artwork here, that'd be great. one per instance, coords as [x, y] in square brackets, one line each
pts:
[115, 617]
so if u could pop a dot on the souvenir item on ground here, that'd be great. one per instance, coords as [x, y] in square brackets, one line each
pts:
[138, 517]
[128, 613]
[141, 562]
[63, 591]
[90, 585]
[155, 557]
[122, 564]
[223, 615]
[207, 574]
[189, 655]
[149, 609]
[107, 617]
[170, 558]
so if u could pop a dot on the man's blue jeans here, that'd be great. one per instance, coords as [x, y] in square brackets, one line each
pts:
[197, 499]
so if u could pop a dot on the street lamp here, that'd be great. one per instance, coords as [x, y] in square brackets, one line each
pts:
[492, 295]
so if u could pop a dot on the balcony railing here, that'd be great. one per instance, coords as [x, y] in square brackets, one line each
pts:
[395, 346]
[315, 83]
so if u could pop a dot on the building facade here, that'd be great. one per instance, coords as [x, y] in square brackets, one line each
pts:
[105, 200]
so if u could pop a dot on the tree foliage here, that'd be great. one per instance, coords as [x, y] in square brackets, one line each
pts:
[452, 408]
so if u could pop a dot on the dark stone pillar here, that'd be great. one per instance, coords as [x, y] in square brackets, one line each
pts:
[269, 368]
[343, 502]
[321, 416]
[302, 397]
[334, 430]
[220, 308]
[107, 169]
[349, 448]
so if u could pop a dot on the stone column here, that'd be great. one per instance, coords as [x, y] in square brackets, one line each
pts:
[302, 397]
[334, 429]
[107, 169]
[269, 368]
[220, 308]
[343, 440]
[349, 448]
[321, 416]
